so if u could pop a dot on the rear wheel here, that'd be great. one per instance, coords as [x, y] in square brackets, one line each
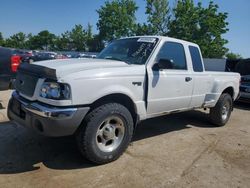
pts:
[105, 133]
[220, 114]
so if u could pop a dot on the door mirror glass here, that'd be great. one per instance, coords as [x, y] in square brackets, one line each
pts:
[163, 64]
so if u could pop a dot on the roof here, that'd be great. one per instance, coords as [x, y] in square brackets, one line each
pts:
[164, 38]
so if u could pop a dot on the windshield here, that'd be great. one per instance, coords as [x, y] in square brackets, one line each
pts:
[131, 50]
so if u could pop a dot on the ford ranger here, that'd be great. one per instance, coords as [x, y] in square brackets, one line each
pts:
[101, 100]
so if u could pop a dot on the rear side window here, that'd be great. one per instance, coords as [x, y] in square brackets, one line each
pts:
[175, 52]
[196, 59]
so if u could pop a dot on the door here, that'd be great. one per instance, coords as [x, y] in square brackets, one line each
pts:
[169, 88]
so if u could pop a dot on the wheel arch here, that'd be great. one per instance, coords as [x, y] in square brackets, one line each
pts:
[120, 98]
[230, 91]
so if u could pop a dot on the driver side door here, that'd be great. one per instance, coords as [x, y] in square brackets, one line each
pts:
[169, 89]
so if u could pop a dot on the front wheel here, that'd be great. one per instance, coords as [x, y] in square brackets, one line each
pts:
[105, 133]
[220, 114]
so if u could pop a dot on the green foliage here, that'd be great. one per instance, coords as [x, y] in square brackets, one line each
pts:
[204, 26]
[63, 42]
[117, 19]
[44, 40]
[158, 12]
[17, 40]
[78, 38]
[1, 39]
[188, 21]
[143, 29]
[95, 44]
[232, 55]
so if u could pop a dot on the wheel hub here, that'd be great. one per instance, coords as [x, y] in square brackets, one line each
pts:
[225, 111]
[110, 134]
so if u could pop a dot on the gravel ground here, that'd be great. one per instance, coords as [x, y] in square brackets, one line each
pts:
[179, 150]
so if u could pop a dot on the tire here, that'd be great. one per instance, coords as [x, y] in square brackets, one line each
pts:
[220, 114]
[105, 133]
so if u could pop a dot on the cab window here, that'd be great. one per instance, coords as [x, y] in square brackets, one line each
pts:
[196, 59]
[174, 52]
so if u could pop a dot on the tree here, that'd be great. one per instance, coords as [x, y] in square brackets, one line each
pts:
[232, 55]
[78, 38]
[117, 19]
[63, 42]
[28, 41]
[17, 40]
[44, 40]
[89, 31]
[89, 37]
[95, 44]
[158, 12]
[1, 39]
[204, 26]
[185, 22]
[143, 29]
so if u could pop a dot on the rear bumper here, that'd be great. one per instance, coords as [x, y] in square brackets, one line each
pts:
[45, 120]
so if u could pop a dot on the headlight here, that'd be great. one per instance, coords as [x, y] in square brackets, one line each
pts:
[56, 91]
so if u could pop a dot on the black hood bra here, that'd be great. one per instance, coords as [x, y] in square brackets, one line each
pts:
[37, 70]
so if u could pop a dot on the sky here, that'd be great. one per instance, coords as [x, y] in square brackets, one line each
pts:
[57, 16]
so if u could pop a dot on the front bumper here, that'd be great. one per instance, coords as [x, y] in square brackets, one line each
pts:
[46, 120]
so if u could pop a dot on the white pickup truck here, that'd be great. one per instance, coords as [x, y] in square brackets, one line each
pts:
[101, 100]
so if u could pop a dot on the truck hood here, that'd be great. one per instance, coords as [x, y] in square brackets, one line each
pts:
[64, 67]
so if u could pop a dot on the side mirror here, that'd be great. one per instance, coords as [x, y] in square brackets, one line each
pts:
[163, 64]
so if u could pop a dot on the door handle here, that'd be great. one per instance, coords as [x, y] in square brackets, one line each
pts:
[188, 79]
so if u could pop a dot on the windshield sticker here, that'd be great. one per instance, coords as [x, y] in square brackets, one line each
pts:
[139, 50]
[143, 50]
[147, 39]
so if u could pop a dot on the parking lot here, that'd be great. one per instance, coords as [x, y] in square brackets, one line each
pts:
[178, 150]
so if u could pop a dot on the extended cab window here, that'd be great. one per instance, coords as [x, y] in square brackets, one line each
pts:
[196, 59]
[174, 52]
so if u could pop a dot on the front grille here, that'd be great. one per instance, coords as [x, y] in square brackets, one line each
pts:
[26, 84]
[28, 76]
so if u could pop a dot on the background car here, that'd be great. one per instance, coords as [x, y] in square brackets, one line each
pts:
[84, 55]
[41, 56]
[243, 67]
[10, 59]
[245, 88]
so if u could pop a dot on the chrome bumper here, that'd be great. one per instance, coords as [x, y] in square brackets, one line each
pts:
[47, 120]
